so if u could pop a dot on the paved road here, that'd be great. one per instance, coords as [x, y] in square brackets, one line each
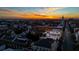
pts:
[68, 43]
[55, 45]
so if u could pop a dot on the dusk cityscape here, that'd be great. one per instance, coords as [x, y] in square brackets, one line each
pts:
[39, 28]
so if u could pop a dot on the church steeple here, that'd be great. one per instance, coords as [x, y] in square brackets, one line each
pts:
[62, 20]
[62, 17]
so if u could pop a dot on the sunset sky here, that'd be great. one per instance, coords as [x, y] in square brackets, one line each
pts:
[39, 12]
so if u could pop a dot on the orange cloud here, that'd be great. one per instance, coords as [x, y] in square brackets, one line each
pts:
[48, 13]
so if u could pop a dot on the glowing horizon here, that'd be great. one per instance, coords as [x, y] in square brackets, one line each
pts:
[39, 12]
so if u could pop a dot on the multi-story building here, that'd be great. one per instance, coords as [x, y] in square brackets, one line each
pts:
[76, 30]
[55, 34]
[2, 47]
[45, 45]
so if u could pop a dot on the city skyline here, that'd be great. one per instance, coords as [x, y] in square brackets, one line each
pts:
[39, 12]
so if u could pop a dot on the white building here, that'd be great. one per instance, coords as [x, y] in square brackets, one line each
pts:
[77, 36]
[77, 33]
[55, 34]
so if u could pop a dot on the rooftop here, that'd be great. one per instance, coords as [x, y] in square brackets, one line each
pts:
[44, 43]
